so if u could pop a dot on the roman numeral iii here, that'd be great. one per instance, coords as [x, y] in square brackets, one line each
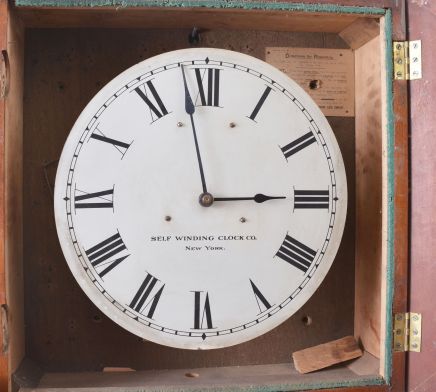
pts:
[202, 314]
[157, 108]
[296, 253]
[311, 199]
[102, 255]
[298, 144]
[102, 199]
[209, 93]
[144, 299]
[261, 301]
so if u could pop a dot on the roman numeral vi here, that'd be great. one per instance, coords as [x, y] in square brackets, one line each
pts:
[202, 315]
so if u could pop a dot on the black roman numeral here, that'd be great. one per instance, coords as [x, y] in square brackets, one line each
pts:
[199, 315]
[260, 298]
[102, 199]
[119, 145]
[143, 91]
[259, 105]
[298, 144]
[143, 299]
[210, 95]
[296, 253]
[311, 199]
[101, 255]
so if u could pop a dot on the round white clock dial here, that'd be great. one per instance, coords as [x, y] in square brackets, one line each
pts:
[200, 198]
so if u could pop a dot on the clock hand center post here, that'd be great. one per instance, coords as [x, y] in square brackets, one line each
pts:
[205, 199]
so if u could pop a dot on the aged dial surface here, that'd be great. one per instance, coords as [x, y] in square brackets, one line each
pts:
[200, 198]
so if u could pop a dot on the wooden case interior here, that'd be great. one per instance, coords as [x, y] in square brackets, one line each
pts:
[58, 60]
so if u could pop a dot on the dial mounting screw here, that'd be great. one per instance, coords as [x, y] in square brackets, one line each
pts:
[232, 125]
[242, 220]
[180, 124]
[167, 218]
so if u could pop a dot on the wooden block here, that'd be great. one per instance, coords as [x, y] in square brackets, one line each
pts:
[360, 32]
[327, 354]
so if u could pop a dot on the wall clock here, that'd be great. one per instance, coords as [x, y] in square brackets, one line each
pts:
[200, 198]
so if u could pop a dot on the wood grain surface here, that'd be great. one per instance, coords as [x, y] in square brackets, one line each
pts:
[4, 366]
[63, 70]
[326, 354]
[422, 366]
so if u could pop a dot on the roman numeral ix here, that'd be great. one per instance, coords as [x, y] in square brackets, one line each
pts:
[209, 95]
[202, 314]
[260, 298]
[102, 255]
[296, 253]
[102, 199]
[157, 109]
[144, 299]
[311, 199]
[298, 144]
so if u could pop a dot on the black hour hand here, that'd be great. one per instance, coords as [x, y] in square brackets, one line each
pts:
[258, 198]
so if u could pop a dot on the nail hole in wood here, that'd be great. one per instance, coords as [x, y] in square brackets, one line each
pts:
[306, 320]
[315, 84]
[192, 375]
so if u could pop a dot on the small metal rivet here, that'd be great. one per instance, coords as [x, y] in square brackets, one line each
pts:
[232, 125]
[242, 220]
[180, 124]
[167, 218]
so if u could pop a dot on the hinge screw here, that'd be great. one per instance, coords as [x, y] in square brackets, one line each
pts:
[398, 345]
[415, 318]
[398, 332]
[415, 332]
[399, 61]
[414, 345]
[399, 317]
[398, 46]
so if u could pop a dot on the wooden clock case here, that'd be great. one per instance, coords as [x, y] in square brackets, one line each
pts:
[55, 58]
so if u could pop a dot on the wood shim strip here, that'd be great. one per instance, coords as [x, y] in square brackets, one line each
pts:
[327, 354]
[360, 32]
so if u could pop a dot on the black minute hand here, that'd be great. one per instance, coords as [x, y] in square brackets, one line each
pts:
[190, 109]
[259, 198]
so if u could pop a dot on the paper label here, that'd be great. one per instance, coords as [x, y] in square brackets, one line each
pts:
[327, 75]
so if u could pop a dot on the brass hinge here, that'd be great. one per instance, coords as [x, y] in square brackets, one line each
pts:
[407, 60]
[407, 332]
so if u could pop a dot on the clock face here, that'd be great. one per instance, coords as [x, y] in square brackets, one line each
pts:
[200, 198]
